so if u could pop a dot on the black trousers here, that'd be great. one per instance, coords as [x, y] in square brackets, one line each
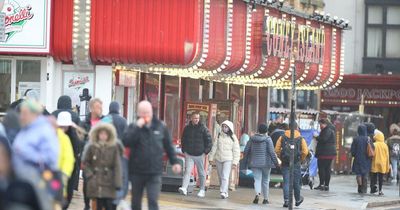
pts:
[85, 197]
[152, 184]
[324, 171]
[376, 177]
[105, 204]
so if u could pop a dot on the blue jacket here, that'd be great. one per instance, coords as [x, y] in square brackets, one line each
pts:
[260, 153]
[37, 144]
[361, 163]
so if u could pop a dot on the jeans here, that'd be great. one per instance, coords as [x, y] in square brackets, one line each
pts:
[296, 182]
[261, 181]
[394, 161]
[190, 161]
[152, 183]
[324, 171]
[224, 171]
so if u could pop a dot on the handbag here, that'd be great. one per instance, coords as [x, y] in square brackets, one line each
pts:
[370, 150]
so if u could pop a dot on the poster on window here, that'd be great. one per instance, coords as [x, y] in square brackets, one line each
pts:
[27, 26]
[29, 89]
[80, 87]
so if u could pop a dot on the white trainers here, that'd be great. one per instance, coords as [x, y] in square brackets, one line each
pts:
[201, 194]
[182, 191]
[224, 195]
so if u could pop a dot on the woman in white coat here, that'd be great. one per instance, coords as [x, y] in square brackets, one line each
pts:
[226, 154]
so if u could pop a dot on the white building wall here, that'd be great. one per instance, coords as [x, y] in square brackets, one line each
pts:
[354, 11]
[103, 85]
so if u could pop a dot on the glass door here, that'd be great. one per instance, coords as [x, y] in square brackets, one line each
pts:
[28, 79]
[5, 84]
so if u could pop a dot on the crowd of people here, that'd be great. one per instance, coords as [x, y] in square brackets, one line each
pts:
[43, 155]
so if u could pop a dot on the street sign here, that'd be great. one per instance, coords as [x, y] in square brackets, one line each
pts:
[2, 27]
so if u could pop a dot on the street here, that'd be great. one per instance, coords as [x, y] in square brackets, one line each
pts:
[342, 196]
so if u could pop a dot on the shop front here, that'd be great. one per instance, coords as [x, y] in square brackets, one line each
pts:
[23, 51]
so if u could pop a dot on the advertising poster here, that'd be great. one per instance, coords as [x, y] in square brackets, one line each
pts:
[80, 87]
[27, 26]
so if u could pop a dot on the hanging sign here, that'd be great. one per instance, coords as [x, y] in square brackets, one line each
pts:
[27, 26]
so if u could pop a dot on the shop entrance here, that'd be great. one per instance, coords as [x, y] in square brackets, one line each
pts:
[20, 77]
[125, 93]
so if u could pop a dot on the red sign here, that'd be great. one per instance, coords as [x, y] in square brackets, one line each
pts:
[125, 78]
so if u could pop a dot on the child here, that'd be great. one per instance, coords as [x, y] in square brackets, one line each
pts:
[380, 162]
[102, 166]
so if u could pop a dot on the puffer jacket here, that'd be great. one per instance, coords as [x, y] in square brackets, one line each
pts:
[102, 164]
[260, 153]
[226, 148]
[380, 162]
[326, 146]
[196, 139]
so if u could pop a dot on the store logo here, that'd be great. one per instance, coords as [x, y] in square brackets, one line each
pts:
[16, 17]
[78, 81]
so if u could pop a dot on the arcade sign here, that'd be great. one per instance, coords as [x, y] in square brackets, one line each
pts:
[282, 37]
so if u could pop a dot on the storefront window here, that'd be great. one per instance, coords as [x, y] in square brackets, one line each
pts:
[251, 109]
[151, 88]
[172, 105]
[263, 103]
[5, 84]
[28, 79]
[221, 89]
[236, 93]
[192, 90]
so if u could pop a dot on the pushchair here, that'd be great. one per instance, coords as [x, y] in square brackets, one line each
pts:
[309, 170]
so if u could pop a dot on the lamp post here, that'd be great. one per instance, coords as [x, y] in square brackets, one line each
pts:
[292, 143]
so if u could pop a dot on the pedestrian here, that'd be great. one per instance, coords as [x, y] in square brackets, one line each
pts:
[94, 116]
[147, 139]
[64, 103]
[67, 155]
[325, 152]
[361, 163]
[120, 125]
[278, 132]
[394, 150]
[11, 125]
[225, 154]
[283, 150]
[196, 144]
[380, 162]
[102, 166]
[260, 157]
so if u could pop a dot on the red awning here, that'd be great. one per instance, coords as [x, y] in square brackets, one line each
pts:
[62, 31]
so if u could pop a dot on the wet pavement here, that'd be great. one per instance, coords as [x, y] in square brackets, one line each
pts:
[342, 195]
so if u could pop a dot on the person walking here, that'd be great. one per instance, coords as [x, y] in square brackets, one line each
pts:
[283, 150]
[64, 104]
[380, 163]
[361, 163]
[94, 116]
[102, 166]
[394, 150]
[226, 154]
[260, 157]
[325, 152]
[118, 121]
[147, 139]
[196, 144]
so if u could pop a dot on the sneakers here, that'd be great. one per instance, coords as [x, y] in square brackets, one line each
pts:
[201, 194]
[320, 187]
[182, 191]
[374, 189]
[286, 204]
[298, 203]
[326, 188]
[265, 201]
[224, 195]
[381, 193]
[255, 201]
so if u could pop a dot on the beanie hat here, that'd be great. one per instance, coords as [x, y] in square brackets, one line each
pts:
[263, 128]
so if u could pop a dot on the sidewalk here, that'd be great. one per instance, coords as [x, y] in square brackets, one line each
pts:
[342, 196]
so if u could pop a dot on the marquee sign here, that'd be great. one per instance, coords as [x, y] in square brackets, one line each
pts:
[27, 26]
[282, 37]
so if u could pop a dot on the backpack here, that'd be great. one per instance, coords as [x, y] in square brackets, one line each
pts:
[395, 149]
[285, 152]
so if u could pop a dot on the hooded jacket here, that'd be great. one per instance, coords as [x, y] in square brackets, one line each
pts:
[394, 146]
[196, 139]
[303, 150]
[147, 145]
[102, 163]
[66, 159]
[326, 146]
[361, 162]
[380, 162]
[118, 121]
[64, 103]
[260, 153]
[225, 147]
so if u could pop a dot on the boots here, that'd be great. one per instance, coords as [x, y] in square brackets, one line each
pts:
[359, 183]
[364, 184]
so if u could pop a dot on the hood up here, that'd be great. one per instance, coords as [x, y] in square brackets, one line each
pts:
[362, 130]
[229, 124]
[64, 102]
[109, 128]
[379, 137]
[114, 108]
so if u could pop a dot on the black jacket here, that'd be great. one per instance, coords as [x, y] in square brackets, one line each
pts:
[118, 121]
[196, 140]
[326, 145]
[276, 134]
[147, 145]
[64, 103]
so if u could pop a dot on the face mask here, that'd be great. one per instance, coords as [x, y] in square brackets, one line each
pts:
[225, 129]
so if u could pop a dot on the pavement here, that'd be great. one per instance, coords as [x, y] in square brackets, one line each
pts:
[342, 196]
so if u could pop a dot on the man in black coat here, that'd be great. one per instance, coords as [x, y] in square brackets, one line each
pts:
[325, 152]
[147, 139]
[196, 144]
[64, 103]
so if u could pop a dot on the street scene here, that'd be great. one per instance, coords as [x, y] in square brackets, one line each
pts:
[199, 104]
